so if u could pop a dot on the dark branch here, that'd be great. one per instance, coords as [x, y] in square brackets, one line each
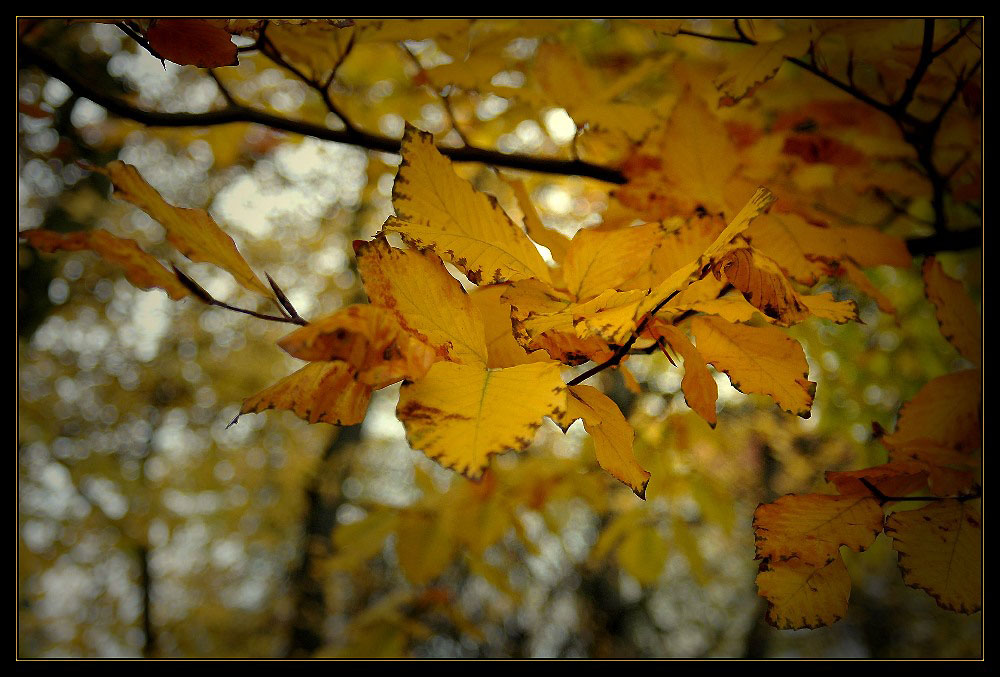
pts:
[977, 492]
[946, 241]
[359, 138]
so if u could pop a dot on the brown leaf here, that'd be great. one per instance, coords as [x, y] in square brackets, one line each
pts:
[192, 42]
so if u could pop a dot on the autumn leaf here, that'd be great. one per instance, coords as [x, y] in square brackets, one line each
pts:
[192, 231]
[811, 527]
[141, 269]
[762, 360]
[503, 350]
[366, 337]
[600, 260]
[945, 412]
[759, 64]
[956, 312]
[611, 433]
[320, 392]
[940, 550]
[700, 389]
[441, 211]
[762, 284]
[892, 479]
[460, 415]
[557, 243]
[801, 595]
[192, 42]
[426, 300]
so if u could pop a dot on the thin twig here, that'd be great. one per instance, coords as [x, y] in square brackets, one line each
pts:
[883, 499]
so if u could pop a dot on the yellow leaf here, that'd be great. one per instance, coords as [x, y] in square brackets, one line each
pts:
[762, 284]
[553, 240]
[141, 269]
[459, 415]
[315, 48]
[824, 306]
[643, 553]
[812, 527]
[801, 595]
[762, 360]
[425, 544]
[320, 392]
[598, 260]
[956, 312]
[945, 412]
[439, 210]
[940, 550]
[366, 337]
[757, 65]
[193, 231]
[503, 349]
[700, 389]
[611, 433]
[425, 299]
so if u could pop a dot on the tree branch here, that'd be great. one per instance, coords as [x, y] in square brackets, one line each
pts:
[358, 138]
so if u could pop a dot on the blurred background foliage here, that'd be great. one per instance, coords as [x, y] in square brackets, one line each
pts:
[149, 528]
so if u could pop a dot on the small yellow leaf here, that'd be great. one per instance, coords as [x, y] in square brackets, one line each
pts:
[611, 433]
[956, 312]
[320, 392]
[940, 550]
[459, 415]
[366, 337]
[762, 360]
[700, 389]
[599, 260]
[503, 349]
[141, 269]
[193, 231]
[801, 595]
[812, 527]
[426, 300]
[441, 211]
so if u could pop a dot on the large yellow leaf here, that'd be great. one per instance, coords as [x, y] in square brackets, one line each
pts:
[700, 389]
[812, 527]
[945, 413]
[956, 311]
[425, 298]
[439, 210]
[611, 433]
[369, 339]
[801, 595]
[461, 414]
[940, 550]
[320, 392]
[141, 269]
[762, 360]
[193, 231]
[598, 260]
[755, 66]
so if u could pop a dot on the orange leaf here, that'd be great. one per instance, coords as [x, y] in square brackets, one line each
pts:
[892, 479]
[812, 527]
[141, 269]
[956, 311]
[321, 392]
[700, 389]
[366, 337]
[945, 413]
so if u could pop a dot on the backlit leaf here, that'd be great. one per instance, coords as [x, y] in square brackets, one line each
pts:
[956, 311]
[940, 550]
[801, 595]
[459, 415]
[611, 433]
[141, 269]
[700, 389]
[762, 360]
[320, 392]
[193, 232]
[441, 211]
[812, 527]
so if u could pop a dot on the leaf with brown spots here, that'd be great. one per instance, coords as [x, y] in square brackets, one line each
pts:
[801, 595]
[460, 415]
[441, 211]
[321, 392]
[762, 360]
[940, 550]
[369, 339]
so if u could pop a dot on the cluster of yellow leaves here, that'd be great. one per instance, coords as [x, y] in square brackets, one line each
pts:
[933, 450]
